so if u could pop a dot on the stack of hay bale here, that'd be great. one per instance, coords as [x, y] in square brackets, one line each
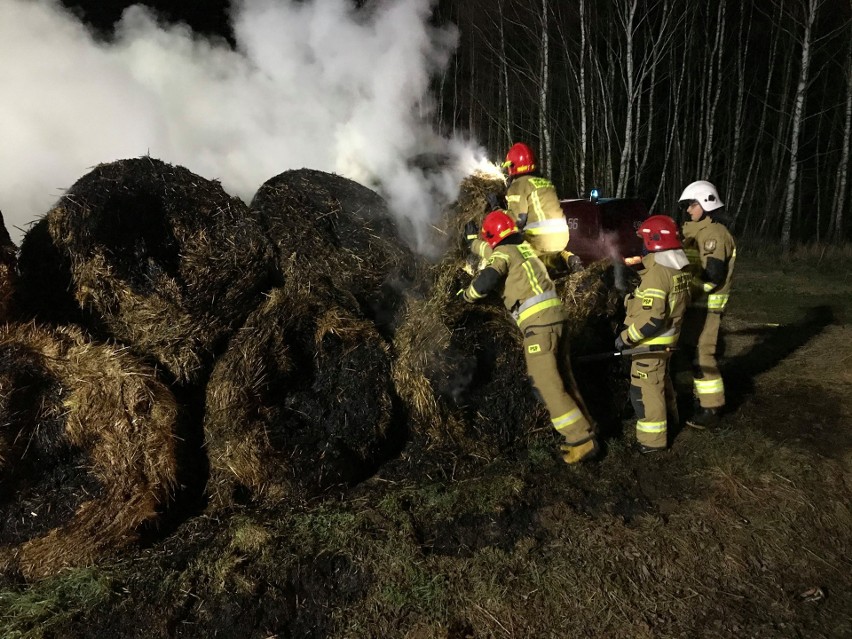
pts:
[317, 345]
[303, 398]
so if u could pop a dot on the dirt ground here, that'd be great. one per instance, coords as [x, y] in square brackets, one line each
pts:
[745, 532]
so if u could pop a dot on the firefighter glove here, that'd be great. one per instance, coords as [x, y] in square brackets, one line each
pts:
[495, 201]
[620, 344]
[471, 232]
[574, 263]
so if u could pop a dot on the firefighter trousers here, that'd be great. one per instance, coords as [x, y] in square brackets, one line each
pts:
[653, 397]
[543, 350]
[700, 336]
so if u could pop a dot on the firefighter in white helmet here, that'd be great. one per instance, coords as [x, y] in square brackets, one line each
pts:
[712, 253]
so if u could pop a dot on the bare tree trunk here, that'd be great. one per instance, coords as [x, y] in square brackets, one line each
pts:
[624, 166]
[504, 72]
[742, 56]
[770, 71]
[778, 155]
[673, 125]
[836, 226]
[792, 176]
[546, 152]
[714, 86]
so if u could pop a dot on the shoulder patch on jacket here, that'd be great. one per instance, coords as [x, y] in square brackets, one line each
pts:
[647, 303]
[709, 245]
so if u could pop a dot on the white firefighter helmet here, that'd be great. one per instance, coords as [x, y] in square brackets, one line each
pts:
[704, 193]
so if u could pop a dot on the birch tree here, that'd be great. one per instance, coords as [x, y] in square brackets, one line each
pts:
[627, 16]
[545, 153]
[798, 109]
[841, 184]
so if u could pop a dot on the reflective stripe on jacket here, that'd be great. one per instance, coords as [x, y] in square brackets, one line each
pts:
[655, 309]
[536, 197]
[528, 292]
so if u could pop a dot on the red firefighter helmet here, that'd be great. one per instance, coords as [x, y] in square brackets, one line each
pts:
[659, 233]
[520, 159]
[496, 227]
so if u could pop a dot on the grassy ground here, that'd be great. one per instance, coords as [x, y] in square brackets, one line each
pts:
[742, 533]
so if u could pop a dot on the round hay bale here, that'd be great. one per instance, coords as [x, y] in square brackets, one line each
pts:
[301, 400]
[8, 271]
[325, 226]
[158, 257]
[87, 445]
[460, 371]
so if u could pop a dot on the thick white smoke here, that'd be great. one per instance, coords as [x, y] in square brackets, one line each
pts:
[316, 84]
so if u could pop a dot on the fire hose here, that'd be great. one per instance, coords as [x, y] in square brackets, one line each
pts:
[639, 350]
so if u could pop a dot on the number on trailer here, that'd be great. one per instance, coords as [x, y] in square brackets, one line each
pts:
[573, 223]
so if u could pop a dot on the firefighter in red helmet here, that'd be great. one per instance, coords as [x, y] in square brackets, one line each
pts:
[529, 294]
[534, 205]
[654, 314]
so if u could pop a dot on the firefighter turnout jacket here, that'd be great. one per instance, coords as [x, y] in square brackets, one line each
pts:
[533, 198]
[655, 309]
[530, 296]
[654, 314]
[712, 255]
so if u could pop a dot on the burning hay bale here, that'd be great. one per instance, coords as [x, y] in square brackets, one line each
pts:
[157, 257]
[301, 400]
[472, 205]
[86, 445]
[8, 271]
[328, 228]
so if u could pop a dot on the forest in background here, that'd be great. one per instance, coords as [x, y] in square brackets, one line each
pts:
[640, 97]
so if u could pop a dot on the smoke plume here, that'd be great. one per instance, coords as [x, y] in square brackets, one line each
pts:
[319, 84]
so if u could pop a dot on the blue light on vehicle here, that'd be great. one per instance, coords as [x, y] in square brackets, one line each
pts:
[594, 194]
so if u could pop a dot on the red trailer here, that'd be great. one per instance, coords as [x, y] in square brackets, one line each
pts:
[604, 228]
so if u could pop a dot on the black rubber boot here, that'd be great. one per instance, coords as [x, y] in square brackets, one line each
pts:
[705, 418]
[648, 450]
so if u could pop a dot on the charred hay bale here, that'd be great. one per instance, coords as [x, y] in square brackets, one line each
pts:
[157, 257]
[325, 226]
[461, 373]
[301, 400]
[87, 445]
[8, 271]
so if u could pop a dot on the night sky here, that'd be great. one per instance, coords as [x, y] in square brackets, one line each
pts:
[204, 16]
